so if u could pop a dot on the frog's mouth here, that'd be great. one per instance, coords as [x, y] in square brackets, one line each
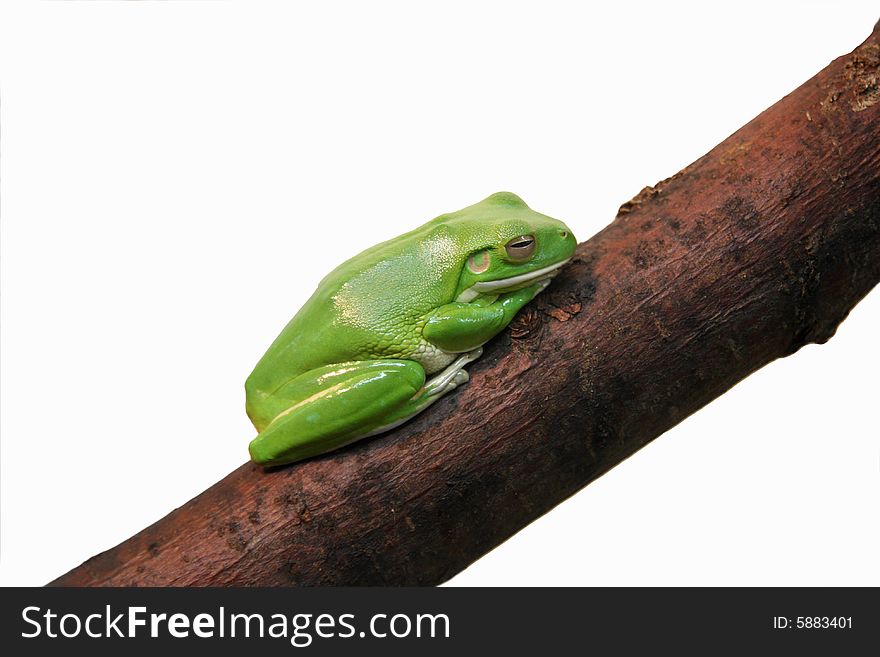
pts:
[510, 284]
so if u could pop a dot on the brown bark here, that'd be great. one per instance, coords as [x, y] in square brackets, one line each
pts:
[758, 248]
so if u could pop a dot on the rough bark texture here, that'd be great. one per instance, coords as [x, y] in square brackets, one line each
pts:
[758, 248]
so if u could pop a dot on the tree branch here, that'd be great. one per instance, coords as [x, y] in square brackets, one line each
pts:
[758, 248]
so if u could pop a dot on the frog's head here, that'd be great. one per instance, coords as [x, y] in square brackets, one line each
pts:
[506, 246]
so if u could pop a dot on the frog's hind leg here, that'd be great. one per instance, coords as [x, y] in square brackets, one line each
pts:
[444, 382]
[332, 406]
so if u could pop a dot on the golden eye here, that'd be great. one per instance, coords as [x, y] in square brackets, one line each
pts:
[521, 248]
[478, 262]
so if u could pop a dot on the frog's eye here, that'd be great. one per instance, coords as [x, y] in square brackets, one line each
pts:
[478, 262]
[521, 248]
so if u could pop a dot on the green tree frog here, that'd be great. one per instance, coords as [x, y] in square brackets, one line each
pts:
[389, 332]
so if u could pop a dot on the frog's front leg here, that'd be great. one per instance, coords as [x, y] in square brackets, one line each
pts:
[459, 327]
[332, 406]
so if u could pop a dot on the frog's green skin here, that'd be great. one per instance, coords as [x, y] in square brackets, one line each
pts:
[388, 332]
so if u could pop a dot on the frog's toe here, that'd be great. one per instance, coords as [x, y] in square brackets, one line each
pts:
[456, 380]
[543, 283]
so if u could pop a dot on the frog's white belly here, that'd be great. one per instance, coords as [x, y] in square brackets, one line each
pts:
[432, 358]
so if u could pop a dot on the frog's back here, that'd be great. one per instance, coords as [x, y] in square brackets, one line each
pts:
[371, 306]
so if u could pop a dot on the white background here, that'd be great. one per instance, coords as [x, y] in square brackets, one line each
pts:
[176, 178]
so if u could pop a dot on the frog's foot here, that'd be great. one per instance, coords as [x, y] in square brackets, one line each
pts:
[544, 282]
[444, 382]
[454, 375]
